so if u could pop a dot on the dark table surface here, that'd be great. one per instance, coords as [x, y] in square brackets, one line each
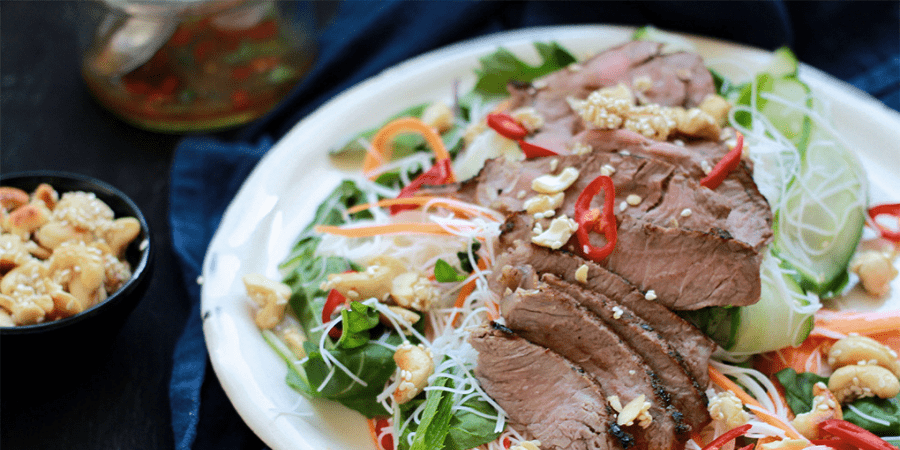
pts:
[50, 122]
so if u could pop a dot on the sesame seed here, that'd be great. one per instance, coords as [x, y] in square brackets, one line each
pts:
[634, 199]
[623, 206]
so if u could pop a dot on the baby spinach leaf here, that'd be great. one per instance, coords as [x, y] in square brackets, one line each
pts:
[798, 388]
[372, 363]
[469, 430]
[357, 322]
[886, 410]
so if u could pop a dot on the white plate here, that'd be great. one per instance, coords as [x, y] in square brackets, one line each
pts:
[278, 199]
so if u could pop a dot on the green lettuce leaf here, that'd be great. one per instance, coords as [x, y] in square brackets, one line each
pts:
[502, 66]
[445, 273]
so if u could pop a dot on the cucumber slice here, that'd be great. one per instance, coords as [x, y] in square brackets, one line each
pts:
[784, 63]
[783, 317]
[771, 95]
[673, 43]
[822, 216]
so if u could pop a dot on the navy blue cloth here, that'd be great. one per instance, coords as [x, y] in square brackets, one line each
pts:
[854, 41]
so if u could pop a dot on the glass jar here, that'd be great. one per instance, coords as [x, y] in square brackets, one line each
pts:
[192, 65]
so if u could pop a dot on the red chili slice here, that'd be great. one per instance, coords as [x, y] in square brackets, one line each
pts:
[506, 126]
[533, 151]
[725, 166]
[892, 209]
[730, 435]
[439, 173]
[596, 220]
[855, 435]
[333, 300]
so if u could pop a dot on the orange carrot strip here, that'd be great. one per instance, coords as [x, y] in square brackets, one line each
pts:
[858, 322]
[725, 383]
[382, 151]
[453, 205]
[465, 291]
[378, 230]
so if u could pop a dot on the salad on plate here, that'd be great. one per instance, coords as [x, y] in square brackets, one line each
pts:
[629, 249]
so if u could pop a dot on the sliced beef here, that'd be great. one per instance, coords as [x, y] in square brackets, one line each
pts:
[750, 217]
[678, 79]
[687, 396]
[545, 394]
[554, 320]
[515, 249]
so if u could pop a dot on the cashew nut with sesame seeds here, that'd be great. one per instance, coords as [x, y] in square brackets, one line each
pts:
[857, 381]
[271, 296]
[414, 365]
[862, 349]
[120, 232]
[80, 270]
[825, 407]
[527, 445]
[373, 282]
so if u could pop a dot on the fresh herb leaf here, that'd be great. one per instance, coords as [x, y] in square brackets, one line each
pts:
[435, 424]
[798, 388]
[372, 363]
[469, 430]
[357, 323]
[464, 262]
[887, 410]
[445, 273]
[305, 272]
[502, 66]
[401, 144]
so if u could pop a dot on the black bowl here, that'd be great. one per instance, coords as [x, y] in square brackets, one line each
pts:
[47, 351]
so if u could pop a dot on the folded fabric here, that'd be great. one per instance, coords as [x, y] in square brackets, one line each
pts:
[858, 42]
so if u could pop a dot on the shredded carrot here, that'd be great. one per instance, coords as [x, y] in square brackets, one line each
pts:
[725, 383]
[847, 322]
[466, 291]
[381, 150]
[451, 204]
[804, 358]
[379, 230]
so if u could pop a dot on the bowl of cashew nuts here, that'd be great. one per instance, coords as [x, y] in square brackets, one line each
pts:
[75, 259]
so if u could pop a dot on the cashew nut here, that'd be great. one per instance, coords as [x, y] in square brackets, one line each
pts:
[120, 233]
[13, 252]
[851, 382]
[727, 408]
[83, 210]
[637, 409]
[373, 282]
[54, 234]
[527, 445]
[696, 122]
[46, 194]
[825, 407]
[26, 293]
[80, 269]
[12, 198]
[529, 118]
[414, 365]
[561, 229]
[407, 316]
[876, 271]
[271, 296]
[862, 349]
[28, 218]
[414, 291]
[717, 107]
[439, 116]
[544, 203]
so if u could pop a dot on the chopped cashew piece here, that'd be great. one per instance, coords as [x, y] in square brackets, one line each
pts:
[408, 317]
[439, 116]
[727, 408]
[373, 282]
[414, 365]
[825, 406]
[876, 271]
[271, 296]
[294, 339]
[527, 445]
[529, 118]
[12, 198]
[413, 290]
[717, 108]
[561, 229]
[552, 184]
[637, 409]
[858, 381]
[543, 203]
[581, 274]
[857, 349]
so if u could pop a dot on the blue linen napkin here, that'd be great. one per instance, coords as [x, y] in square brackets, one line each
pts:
[857, 42]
